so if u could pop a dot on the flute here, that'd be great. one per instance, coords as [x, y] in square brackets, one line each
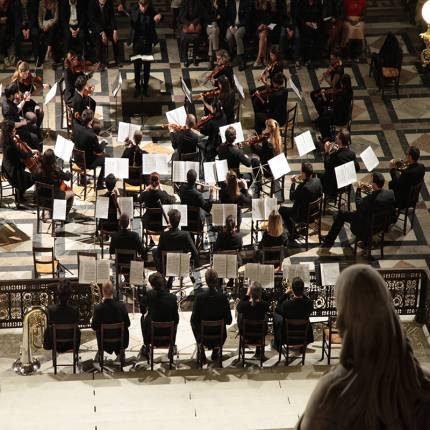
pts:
[204, 184]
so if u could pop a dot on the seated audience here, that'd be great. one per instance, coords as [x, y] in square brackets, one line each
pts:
[6, 30]
[309, 17]
[48, 27]
[73, 24]
[353, 28]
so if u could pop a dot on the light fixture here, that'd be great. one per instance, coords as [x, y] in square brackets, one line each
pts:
[425, 54]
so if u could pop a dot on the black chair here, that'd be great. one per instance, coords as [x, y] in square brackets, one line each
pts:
[312, 224]
[111, 334]
[104, 236]
[414, 194]
[253, 333]
[295, 337]
[343, 195]
[390, 76]
[44, 203]
[196, 225]
[3, 178]
[273, 255]
[289, 127]
[133, 185]
[330, 337]
[79, 169]
[211, 335]
[151, 224]
[162, 341]
[65, 334]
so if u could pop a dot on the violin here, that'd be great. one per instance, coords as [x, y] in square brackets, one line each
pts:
[81, 66]
[176, 127]
[211, 93]
[267, 71]
[332, 68]
[203, 120]
[32, 162]
[253, 140]
[215, 72]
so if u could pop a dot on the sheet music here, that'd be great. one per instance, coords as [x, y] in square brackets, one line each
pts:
[186, 90]
[271, 26]
[180, 170]
[185, 265]
[329, 273]
[239, 87]
[142, 57]
[126, 130]
[173, 264]
[230, 209]
[258, 212]
[117, 166]
[304, 143]
[51, 93]
[126, 206]
[225, 265]
[155, 163]
[279, 166]
[221, 167]
[136, 272]
[59, 209]
[369, 158]
[251, 271]
[103, 271]
[217, 213]
[177, 116]
[88, 271]
[231, 266]
[295, 89]
[239, 132]
[345, 174]
[117, 84]
[266, 275]
[102, 207]
[302, 271]
[63, 148]
[183, 209]
[210, 172]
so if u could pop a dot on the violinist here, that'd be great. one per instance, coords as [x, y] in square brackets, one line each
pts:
[73, 23]
[73, 68]
[14, 161]
[133, 151]
[184, 141]
[81, 99]
[222, 68]
[229, 151]
[49, 173]
[332, 77]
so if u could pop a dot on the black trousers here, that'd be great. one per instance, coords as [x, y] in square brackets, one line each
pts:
[340, 219]
[102, 50]
[99, 162]
[5, 40]
[310, 42]
[35, 42]
[186, 39]
[142, 47]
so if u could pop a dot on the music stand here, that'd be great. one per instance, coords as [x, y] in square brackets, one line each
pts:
[115, 90]
[188, 102]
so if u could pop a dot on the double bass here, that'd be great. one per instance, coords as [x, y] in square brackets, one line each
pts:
[31, 163]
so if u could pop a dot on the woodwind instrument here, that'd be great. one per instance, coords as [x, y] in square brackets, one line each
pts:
[334, 147]
[400, 164]
[32, 162]
[177, 127]
[204, 184]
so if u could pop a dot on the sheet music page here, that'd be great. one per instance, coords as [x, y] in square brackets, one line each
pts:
[219, 264]
[162, 164]
[239, 87]
[271, 26]
[185, 264]
[179, 171]
[63, 148]
[173, 264]
[186, 90]
[267, 275]
[149, 164]
[270, 204]
[126, 206]
[142, 57]
[252, 271]
[217, 212]
[136, 272]
[221, 170]
[192, 165]
[51, 93]
[209, 172]
[183, 209]
[102, 207]
[369, 158]
[103, 271]
[295, 89]
[302, 271]
[239, 132]
[231, 266]
[230, 209]
[329, 273]
[177, 116]
[126, 130]
[88, 271]
[304, 143]
[258, 209]
[117, 166]
[279, 166]
[345, 174]
[59, 209]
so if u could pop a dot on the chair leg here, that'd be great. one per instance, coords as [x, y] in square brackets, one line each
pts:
[220, 357]
[405, 222]
[382, 245]
[303, 355]
[413, 217]
[152, 356]
[261, 356]
[288, 354]
[355, 247]
[280, 353]
[74, 362]
[54, 360]
[101, 358]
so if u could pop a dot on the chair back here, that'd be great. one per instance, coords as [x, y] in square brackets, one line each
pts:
[380, 221]
[122, 260]
[152, 220]
[135, 175]
[78, 157]
[290, 125]
[314, 210]
[272, 255]
[162, 334]
[44, 195]
[414, 194]
[190, 156]
[113, 334]
[195, 223]
[254, 332]
[44, 264]
[212, 333]
[65, 334]
[296, 331]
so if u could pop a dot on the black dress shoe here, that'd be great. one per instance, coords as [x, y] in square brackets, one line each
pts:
[145, 91]
[137, 90]
[196, 62]
[186, 63]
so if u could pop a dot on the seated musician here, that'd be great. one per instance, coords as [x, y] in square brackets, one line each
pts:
[157, 305]
[191, 16]
[190, 196]
[124, 238]
[380, 201]
[48, 17]
[81, 99]
[230, 152]
[338, 107]
[275, 234]
[402, 181]
[271, 103]
[294, 304]
[111, 223]
[13, 164]
[229, 239]
[308, 190]
[49, 173]
[72, 22]
[184, 140]
[210, 305]
[134, 153]
[332, 77]
[274, 67]
[73, 68]
[62, 313]
[334, 158]
[222, 68]
[110, 312]
[253, 307]
[85, 138]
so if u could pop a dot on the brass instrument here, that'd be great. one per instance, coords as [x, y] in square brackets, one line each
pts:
[34, 324]
[176, 127]
[366, 187]
[96, 295]
[334, 147]
[400, 164]
[298, 179]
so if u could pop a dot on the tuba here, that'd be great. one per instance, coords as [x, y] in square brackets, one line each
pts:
[34, 324]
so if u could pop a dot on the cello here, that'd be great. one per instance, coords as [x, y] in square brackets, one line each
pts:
[31, 163]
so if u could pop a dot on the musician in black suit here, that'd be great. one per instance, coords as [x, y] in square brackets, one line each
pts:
[190, 196]
[111, 223]
[184, 141]
[86, 140]
[401, 182]
[80, 101]
[62, 313]
[378, 202]
[133, 151]
[73, 17]
[157, 305]
[333, 159]
[102, 23]
[110, 312]
[210, 305]
[308, 190]
[292, 305]
[143, 18]
[26, 27]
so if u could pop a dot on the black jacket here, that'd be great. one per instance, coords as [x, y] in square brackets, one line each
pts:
[111, 312]
[277, 106]
[248, 311]
[228, 241]
[233, 155]
[161, 306]
[13, 163]
[211, 130]
[191, 11]
[309, 13]
[304, 194]
[110, 224]
[32, 11]
[147, 32]
[126, 239]
[268, 241]
[81, 9]
[192, 197]
[69, 90]
[246, 8]
[61, 314]
[86, 140]
[79, 103]
[401, 182]
[98, 22]
[184, 141]
[10, 110]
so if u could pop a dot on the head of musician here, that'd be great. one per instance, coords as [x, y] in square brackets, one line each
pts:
[343, 138]
[11, 92]
[87, 118]
[274, 138]
[190, 121]
[64, 292]
[275, 225]
[255, 292]
[110, 182]
[298, 287]
[154, 180]
[107, 290]
[211, 278]
[278, 81]
[345, 83]
[80, 84]
[223, 85]
[307, 171]
[71, 60]
[124, 221]
[137, 137]
[48, 163]
[334, 58]
[230, 135]
[378, 181]
[96, 125]
[22, 71]
[222, 57]
[274, 54]
[230, 225]
[191, 177]
[174, 217]
[157, 281]
[413, 154]
[232, 185]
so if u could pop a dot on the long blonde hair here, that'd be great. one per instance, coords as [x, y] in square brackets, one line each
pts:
[384, 382]
[232, 186]
[275, 225]
[275, 135]
[21, 67]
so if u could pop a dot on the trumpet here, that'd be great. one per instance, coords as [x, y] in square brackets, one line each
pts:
[298, 179]
[333, 147]
[366, 187]
[400, 164]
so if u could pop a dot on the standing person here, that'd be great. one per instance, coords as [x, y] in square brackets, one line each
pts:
[143, 18]
[73, 20]
[378, 383]
[310, 16]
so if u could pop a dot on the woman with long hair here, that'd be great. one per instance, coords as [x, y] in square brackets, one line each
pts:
[275, 233]
[378, 383]
[72, 69]
[228, 239]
